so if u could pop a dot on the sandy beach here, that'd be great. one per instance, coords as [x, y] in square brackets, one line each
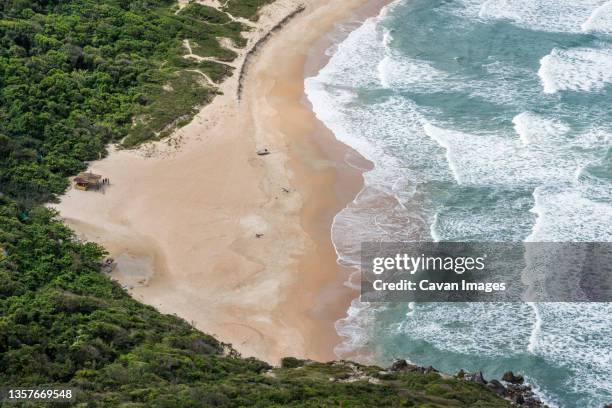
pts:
[239, 244]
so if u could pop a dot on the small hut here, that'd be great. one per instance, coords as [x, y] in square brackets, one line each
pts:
[86, 181]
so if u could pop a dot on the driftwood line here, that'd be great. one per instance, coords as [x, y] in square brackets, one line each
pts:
[261, 42]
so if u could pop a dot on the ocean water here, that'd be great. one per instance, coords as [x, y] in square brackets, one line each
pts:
[486, 121]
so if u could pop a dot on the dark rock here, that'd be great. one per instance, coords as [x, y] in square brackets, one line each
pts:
[108, 266]
[523, 395]
[476, 377]
[405, 367]
[480, 378]
[512, 389]
[513, 379]
[399, 365]
[497, 387]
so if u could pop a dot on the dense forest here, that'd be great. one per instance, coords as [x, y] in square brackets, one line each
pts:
[75, 76]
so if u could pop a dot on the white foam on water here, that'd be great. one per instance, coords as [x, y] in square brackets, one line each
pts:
[542, 151]
[577, 336]
[446, 139]
[537, 129]
[469, 224]
[543, 394]
[566, 214]
[494, 159]
[600, 20]
[569, 16]
[379, 132]
[353, 328]
[396, 71]
[433, 229]
[512, 85]
[355, 58]
[575, 69]
[453, 327]
[544, 15]
[382, 65]
[536, 328]
[595, 138]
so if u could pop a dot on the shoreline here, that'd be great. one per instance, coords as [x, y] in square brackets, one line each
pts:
[181, 216]
[321, 173]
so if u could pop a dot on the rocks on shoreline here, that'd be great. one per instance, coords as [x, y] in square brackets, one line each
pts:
[511, 387]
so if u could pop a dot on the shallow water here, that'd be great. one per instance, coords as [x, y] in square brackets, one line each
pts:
[486, 121]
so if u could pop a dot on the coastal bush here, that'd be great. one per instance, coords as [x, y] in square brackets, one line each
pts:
[74, 74]
[245, 8]
[216, 71]
[291, 362]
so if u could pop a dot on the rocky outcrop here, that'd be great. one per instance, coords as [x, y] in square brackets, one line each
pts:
[511, 387]
[509, 377]
[497, 388]
[107, 266]
[405, 367]
[475, 377]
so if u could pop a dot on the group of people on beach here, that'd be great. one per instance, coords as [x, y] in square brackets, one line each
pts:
[105, 181]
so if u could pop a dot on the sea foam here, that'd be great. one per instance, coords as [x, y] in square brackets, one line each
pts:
[536, 129]
[583, 347]
[566, 213]
[497, 159]
[545, 15]
[600, 20]
[475, 176]
[396, 71]
[576, 69]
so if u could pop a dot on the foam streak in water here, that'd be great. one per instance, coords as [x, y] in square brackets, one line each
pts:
[463, 147]
[576, 69]
[545, 15]
[535, 129]
[536, 329]
[600, 20]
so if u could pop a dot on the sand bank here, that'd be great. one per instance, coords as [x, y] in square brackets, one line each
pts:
[182, 217]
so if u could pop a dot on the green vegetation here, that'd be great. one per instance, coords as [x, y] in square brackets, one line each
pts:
[216, 71]
[245, 8]
[169, 107]
[219, 25]
[64, 322]
[74, 76]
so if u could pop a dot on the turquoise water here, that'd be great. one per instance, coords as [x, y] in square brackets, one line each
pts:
[486, 121]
